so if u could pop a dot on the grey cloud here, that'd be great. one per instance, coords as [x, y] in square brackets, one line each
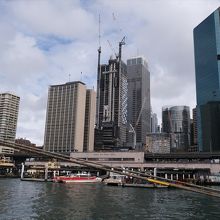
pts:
[159, 30]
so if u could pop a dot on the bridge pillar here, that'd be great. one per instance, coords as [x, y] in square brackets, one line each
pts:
[177, 176]
[189, 175]
[194, 176]
[183, 176]
[171, 176]
[165, 175]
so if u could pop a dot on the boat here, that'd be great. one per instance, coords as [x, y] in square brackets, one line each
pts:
[77, 178]
[114, 180]
[122, 180]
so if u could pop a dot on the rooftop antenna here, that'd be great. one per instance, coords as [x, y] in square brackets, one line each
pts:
[81, 77]
[69, 77]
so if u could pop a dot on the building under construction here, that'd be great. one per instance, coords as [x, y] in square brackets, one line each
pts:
[111, 111]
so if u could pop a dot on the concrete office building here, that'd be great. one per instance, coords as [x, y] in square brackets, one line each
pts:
[64, 130]
[207, 69]
[89, 126]
[9, 106]
[139, 106]
[158, 143]
[176, 122]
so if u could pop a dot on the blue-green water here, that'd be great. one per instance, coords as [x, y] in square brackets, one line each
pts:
[35, 200]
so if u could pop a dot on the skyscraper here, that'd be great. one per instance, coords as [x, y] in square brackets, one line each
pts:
[89, 126]
[111, 111]
[176, 122]
[207, 69]
[9, 106]
[64, 130]
[139, 106]
[195, 127]
[154, 123]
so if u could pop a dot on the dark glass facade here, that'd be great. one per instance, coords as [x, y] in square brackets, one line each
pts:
[176, 121]
[207, 57]
[210, 115]
[139, 99]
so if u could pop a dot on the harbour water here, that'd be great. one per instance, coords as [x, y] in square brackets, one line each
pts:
[48, 201]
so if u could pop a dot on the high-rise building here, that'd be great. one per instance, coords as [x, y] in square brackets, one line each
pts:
[158, 143]
[64, 130]
[207, 69]
[9, 106]
[195, 130]
[111, 111]
[89, 126]
[154, 123]
[176, 121]
[139, 106]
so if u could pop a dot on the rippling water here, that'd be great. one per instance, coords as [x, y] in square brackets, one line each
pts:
[35, 200]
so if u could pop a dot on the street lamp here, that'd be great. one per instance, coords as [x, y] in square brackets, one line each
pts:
[131, 130]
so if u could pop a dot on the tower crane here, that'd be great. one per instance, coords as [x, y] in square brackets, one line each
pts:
[133, 129]
[112, 48]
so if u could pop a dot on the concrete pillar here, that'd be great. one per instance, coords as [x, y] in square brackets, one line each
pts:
[155, 171]
[189, 175]
[171, 176]
[183, 176]
[194, 176]
[177, 176]
[165, 175]
[46, 172]
[22, 170]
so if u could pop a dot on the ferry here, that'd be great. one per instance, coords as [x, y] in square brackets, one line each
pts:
[77, 178]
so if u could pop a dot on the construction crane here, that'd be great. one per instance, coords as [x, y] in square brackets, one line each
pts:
[112, 48]
[133, 129]
[98, 77]
[122, 42]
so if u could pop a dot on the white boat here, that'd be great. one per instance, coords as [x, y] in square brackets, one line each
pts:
[114, 180]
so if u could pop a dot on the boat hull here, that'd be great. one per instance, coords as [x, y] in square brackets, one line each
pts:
[77, 179]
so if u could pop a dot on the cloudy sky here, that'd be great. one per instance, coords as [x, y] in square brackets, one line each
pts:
[45, 42]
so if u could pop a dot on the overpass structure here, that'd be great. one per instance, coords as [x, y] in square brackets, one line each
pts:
[131, 173]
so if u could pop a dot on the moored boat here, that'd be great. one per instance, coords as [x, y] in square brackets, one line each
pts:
[77, 178]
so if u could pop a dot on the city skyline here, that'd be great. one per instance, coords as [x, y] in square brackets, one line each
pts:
[40, 51]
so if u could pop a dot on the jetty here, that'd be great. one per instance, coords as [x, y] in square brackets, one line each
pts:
[134, 174]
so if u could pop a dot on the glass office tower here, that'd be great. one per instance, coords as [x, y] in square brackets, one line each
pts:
[207, 69]
[139, 111]
[176, 122]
